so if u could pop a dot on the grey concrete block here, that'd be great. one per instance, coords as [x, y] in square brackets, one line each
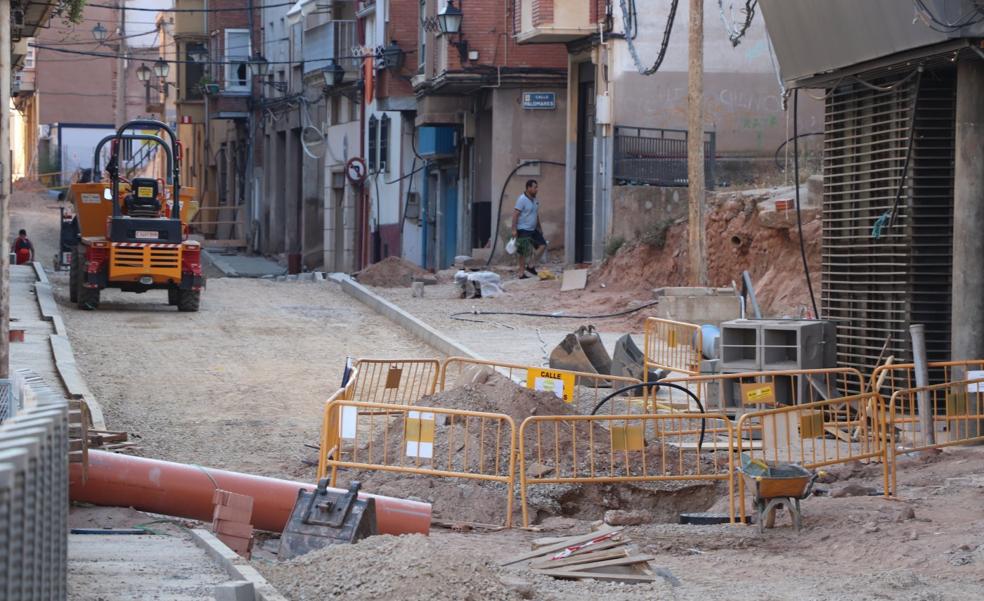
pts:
[235, 591]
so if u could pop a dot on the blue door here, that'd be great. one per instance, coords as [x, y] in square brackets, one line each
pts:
[449, 215]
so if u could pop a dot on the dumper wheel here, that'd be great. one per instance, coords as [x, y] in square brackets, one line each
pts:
[173, 296]
[74, 270]
[88, 297]
[188, 300]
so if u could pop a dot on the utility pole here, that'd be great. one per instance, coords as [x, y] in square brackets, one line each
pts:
[5, 157]
[695, 145]
[121, 64]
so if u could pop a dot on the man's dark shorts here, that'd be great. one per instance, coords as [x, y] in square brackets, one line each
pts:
[535, 237]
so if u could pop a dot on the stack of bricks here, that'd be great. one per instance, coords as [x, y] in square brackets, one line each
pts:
[232, 521]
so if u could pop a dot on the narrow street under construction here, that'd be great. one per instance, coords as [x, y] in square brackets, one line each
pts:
[510, 299]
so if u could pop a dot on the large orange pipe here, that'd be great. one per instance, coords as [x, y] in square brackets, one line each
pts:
[185, 491]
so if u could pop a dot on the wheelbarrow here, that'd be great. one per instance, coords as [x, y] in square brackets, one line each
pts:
[776, 484]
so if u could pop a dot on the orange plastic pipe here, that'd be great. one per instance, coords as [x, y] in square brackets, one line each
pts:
[185, 491]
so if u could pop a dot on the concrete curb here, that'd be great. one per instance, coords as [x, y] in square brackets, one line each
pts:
[234, 565]
[61, 349]
[39, 271]
[421, 330]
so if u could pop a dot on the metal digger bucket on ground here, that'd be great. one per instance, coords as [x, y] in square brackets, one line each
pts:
[583, 351]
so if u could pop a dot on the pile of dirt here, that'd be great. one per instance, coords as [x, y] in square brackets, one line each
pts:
[387, 567]
[391, 272]
[29, 185]
[738, 238]
[554, 449]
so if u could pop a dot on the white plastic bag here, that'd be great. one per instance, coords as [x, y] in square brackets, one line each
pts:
[511, 246]
[488, 282]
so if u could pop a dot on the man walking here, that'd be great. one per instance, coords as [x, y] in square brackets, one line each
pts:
[527, 231]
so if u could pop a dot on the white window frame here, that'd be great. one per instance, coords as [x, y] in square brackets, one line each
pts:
[237, 54]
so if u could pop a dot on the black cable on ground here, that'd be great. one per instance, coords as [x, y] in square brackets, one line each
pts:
[406, 203]
[549, 315]
[799, 217]
[497, 215]
[657, 385]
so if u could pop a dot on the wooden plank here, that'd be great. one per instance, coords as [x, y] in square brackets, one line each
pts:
[547, 540]
[577, 575]
[563, 545]
[616, 561]
[46, 301]
[603, 545]
[593, 557]
[840, 434]
[574, 279]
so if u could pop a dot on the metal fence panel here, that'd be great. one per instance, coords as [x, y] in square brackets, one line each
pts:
[34, 494]
[658, 157]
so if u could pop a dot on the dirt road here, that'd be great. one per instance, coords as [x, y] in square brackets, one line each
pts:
[240, 384]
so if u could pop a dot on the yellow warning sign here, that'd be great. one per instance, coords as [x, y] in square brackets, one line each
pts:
[145, 192]
[561, 383]
[628, 438]
[758, 394]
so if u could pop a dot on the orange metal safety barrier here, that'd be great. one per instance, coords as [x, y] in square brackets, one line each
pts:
[596, 449]
[400, 381]
[958, 417]
[739, 393]
[427, 441]
[672, 345]
[814, 435]
[888, 379]
[583, 391]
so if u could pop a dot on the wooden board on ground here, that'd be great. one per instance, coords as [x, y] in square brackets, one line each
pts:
[560, 546]
[574, 279]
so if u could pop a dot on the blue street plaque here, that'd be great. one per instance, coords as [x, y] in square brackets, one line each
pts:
[540, 100]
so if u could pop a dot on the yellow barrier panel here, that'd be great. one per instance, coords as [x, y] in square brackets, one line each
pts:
[329, 428]
[672, 345]
[739, 393]
[888, 379]
[958, 417]
[401, 381]
[596, 449]
[817, 434]
[428, 441]
[587, 390]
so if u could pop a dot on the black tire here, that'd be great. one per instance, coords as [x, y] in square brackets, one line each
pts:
[173, 296]
[88, 298]
[189, 300]
[74, 274]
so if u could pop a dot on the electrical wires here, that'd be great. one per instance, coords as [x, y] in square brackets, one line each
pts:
[629, 20]
[972, 17]
[735, 34]
[799, 217]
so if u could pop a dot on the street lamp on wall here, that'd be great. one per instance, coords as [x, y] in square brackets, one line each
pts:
[333, 73]
[449, 22]
[144, 73]
[393, 56]
[100, 33]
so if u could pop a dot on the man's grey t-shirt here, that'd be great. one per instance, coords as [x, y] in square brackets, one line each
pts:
[527, 208]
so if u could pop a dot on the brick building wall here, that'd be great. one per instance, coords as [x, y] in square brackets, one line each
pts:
[402, 27]
[490, 30]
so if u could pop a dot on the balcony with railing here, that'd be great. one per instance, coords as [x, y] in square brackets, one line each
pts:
[553, 21]
[332, 41]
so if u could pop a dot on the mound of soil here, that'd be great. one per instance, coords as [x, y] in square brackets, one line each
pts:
[391, 272]
[555, 449]
[386, 567]
[737, 240]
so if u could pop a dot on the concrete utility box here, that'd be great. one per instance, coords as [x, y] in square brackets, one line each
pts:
[697, 305]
